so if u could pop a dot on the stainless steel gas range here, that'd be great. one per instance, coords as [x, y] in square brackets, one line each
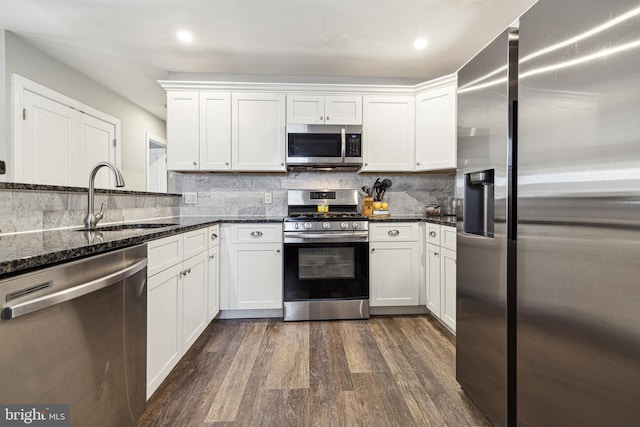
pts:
[326, 256]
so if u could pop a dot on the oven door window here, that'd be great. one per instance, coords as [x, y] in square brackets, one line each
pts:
[326, 263]
[326, 271]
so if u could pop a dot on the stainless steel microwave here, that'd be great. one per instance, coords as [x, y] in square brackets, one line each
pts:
[324, 149]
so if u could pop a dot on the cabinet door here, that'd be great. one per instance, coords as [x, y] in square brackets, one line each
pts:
[305, 109]
[194, 289]
[433, 279]
[343, 110]
[395, 274]
[164, 325]
[183, 130]
[448, 287]
[388, 133]
[256, 276]
[436, 129]
[213, 283]
[215, 131]
[258, 132]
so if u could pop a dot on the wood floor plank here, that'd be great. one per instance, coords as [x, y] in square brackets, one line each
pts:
[225, 405]
[361, 350]
[289, 363]
[285, 408]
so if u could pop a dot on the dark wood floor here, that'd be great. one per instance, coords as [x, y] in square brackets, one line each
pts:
[386, 371]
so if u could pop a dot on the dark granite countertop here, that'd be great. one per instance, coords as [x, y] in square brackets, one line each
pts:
[24, 252]
[449, 221]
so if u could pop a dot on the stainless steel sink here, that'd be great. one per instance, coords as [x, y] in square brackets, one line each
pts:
[131, 226]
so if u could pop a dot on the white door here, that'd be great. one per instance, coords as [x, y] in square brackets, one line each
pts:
[46, 155]
[95, 144]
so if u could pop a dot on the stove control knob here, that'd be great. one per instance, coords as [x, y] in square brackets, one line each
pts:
[355, 225]
[296, 225]
[344, 225]
[307, 225]
[326, 225]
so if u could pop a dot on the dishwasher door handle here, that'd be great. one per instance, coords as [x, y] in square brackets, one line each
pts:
[20, 309]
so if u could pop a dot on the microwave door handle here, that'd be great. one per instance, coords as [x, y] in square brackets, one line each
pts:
[343, 137]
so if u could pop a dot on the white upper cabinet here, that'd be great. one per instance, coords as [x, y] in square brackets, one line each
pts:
[183, 131]
[436, 129]
[215, 131]
[388, 133]
[318, 109]
[258, 132]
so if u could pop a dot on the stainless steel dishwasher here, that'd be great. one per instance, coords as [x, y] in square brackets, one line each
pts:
[76, 334]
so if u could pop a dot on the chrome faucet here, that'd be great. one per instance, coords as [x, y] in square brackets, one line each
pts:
[91, 220]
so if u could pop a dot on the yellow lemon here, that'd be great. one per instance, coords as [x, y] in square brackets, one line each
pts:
[377, 205]
[385, 205]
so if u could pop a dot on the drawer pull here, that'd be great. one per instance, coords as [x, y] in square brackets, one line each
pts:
[393, 232]
[432, 233]
[256, 233]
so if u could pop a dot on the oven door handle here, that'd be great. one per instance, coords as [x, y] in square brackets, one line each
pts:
[326, 237]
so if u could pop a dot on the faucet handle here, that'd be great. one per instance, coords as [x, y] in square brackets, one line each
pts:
[100, 214]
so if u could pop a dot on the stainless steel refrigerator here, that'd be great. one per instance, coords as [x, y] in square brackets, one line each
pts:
[548, 328]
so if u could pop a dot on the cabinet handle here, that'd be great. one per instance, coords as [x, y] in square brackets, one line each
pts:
[214, 236]
[432, 234]
[393, 232]
[373, 250]
[281, 164]
[226, 163]
[417, 163]
[436, 253]
[212, 256]
[256, 233]
[277, 251]
[189, 270]
[183, 273]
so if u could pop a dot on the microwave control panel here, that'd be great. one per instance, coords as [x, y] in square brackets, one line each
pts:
[353, 147]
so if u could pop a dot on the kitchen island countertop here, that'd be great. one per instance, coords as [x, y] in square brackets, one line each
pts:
[449, 221]
[24, 252]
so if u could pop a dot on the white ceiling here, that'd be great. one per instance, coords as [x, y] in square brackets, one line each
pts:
[127, 45]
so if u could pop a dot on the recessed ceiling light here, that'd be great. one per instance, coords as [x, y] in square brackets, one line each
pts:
[185, 36]
[420, 43]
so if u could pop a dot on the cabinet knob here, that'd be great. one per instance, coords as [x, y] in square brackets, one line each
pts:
[393, 232]
[277, 251]
[226, 163]
[436, 253]
[212, 256]
[188, 270]
[195, 163]
[281, 164]
[417, 163]
[256, 233]
[214, 236]
[321, 118]
[327, 118]
[373, 250]
[432, 234]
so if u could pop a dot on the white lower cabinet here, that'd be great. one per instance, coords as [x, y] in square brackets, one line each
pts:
[213, 279]
[176, 300]
[441, 273]
[394, 264]
[251, 267]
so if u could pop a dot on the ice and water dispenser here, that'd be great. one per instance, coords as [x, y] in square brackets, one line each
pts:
[478, 213]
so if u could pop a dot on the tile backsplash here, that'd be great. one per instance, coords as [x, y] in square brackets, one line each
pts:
[232, 194]
[23, 210]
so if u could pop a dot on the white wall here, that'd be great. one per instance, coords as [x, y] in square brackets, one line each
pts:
[4, 111]
[34, 64]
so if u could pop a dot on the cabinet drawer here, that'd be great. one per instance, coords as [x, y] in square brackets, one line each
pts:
[256, 233]
[394, 232]
[448, 237]
[164, 253]
[195, 242]
[213, 234]
[433, 233]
